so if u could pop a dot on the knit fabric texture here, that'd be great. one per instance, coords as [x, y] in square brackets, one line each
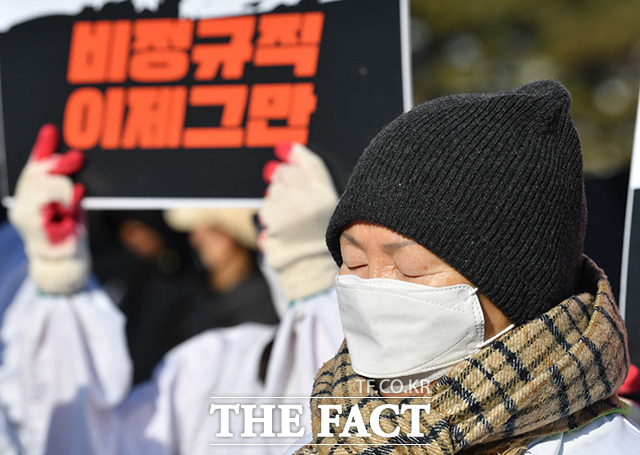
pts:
[555, 373]
[491, 183]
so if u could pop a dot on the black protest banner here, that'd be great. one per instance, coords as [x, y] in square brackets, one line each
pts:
[173, 110]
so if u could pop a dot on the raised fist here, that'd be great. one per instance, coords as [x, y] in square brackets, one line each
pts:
[46, 213]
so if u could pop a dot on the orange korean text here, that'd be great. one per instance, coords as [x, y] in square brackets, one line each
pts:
[138, 80]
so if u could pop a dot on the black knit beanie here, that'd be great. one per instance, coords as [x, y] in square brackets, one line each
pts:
[491, 183]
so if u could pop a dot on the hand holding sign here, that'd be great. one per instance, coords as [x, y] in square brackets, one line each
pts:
[47, 214]
[299, 202]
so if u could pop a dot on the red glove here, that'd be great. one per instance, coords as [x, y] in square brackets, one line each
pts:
[47, 214]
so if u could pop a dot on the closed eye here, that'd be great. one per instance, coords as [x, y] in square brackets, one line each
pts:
[406, 275]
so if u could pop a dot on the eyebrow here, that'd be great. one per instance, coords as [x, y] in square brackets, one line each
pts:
[386, 246]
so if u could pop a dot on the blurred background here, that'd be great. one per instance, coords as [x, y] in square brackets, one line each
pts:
[591, 46]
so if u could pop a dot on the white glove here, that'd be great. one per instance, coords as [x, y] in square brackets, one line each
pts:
[46, 213]
[297, 207]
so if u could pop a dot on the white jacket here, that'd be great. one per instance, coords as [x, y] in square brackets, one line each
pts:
[65, 375]
[611, 435]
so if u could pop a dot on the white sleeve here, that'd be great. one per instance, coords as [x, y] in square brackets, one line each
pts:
[310, 334]
[171, 415]
[65, 367]
[611, 434]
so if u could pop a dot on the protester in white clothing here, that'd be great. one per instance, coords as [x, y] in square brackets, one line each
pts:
[65, 375]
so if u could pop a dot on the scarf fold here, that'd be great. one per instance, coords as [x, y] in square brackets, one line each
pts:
[552, 374]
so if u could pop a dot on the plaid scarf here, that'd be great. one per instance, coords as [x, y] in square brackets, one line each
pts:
[554, 373]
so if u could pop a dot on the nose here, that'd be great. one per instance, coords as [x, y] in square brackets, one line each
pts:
[380, 268]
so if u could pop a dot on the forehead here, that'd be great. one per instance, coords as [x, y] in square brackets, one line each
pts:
[366, 234]
[379, 245]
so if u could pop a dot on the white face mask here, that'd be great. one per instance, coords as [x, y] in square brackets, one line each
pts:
[394, 328]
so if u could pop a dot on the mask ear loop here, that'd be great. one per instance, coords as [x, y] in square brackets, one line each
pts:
[496, 336]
